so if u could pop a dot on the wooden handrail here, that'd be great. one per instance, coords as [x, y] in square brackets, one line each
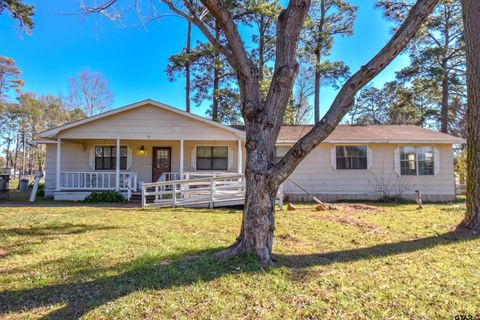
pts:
[186, 181]
[202, 191]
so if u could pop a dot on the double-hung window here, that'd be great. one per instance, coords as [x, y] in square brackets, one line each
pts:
[105, 158]
[416, 161]
[212, 158]
[351, 157]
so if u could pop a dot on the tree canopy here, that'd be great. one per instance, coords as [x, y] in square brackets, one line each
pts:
[19, 11]
[263, 114]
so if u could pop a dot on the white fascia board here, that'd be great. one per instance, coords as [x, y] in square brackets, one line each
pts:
[54, 131]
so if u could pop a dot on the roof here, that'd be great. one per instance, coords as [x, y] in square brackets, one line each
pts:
[51, 133]
[291, 133]
[370, 134]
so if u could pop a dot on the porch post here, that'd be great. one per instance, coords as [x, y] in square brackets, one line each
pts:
[117, 167]
[240, 157]
[181, 159]
[59, 159]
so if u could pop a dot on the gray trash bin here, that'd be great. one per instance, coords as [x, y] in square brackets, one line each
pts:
[23, 185]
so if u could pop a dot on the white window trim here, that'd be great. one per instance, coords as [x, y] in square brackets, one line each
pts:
[333, 157]
[229, 157]
[436, 161]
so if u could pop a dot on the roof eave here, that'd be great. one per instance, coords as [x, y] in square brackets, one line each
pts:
[459, 141]
[52, 133]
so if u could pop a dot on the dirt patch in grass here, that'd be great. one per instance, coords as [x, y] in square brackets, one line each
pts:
[358, 207]
[287, 237]
[3, 253]
[352, 221]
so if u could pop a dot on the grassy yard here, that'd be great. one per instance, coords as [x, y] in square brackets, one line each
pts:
[72, 261]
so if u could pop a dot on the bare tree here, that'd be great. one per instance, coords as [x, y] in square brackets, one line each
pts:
[90, 92]
[263, 117]
[471, 18]
[299, 109]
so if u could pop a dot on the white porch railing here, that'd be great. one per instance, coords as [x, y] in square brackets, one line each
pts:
[97, 180]
[170, 176]
[210, 191]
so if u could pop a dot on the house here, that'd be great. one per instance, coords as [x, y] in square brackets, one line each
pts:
[148, 141]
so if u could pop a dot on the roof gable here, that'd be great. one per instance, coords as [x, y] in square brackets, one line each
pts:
[146, 119]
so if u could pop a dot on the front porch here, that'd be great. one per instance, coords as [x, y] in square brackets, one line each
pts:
[84, 166]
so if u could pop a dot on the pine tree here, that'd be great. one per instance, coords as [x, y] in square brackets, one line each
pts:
[327, 19]
[471, 12]
[437, 56]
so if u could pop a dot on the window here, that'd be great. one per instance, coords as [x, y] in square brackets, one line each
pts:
[351, 157]
[416, 161]
[105, 158]
[212, 158]
[280, 152]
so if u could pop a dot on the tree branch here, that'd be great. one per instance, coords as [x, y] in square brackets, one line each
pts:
[202, 26]
[241, 61]
[290, 22]
[344, 99]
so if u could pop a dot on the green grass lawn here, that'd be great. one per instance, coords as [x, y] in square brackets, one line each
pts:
[71, 261]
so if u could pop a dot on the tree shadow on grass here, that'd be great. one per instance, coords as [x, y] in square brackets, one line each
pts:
[39, 234]
[176, 271]
[381, 250]
[54, 229]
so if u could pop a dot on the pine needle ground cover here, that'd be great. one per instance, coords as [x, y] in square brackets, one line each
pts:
[73, 261]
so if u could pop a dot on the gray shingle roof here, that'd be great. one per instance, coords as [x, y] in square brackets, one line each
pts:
[373, 133]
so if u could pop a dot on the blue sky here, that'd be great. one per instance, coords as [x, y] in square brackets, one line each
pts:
[133, 59]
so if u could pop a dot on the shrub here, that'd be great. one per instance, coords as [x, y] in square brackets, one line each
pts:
[105, 196]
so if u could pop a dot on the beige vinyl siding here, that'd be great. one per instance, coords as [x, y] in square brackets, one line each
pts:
[73, 158]
[50, 168]
[76, 157]
[148, 123]
[317, 175]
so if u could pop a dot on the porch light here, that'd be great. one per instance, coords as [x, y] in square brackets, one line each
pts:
[142, 150]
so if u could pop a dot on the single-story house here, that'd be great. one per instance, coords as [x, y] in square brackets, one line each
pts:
[149, 141]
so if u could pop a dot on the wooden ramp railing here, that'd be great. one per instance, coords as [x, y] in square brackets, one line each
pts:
[201, 192]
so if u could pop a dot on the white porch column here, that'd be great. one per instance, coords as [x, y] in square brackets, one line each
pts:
[59, 159]
[240, 157]
[181, 159]
[117, 167]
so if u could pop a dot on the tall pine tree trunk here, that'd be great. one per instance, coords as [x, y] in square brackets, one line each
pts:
[318, 61]
[471, 18]
[444, 109]
[317, 86]
[8, 154]
[216, 75]
[187, 69]
[261, 47]
[15, 161]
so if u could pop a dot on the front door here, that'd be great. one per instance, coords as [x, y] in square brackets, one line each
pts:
[161, 162]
